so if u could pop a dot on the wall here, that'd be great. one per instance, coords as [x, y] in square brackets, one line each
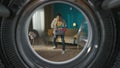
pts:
[48, 17]
[69, 13]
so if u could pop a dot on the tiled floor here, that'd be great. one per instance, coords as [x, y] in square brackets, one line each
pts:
[47, 52]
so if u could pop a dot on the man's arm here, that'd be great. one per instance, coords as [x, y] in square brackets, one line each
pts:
[65, 25]
[53, 23]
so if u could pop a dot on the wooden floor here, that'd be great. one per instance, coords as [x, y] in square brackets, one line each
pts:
[47, 52]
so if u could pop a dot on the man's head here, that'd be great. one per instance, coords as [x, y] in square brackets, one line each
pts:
[58, 16]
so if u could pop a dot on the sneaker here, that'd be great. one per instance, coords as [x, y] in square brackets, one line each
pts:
[63, 52]
[54, 47]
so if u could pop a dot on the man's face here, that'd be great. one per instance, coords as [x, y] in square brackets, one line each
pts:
[58, 17]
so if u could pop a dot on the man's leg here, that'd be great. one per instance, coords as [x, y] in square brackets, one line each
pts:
[63, 43]
[54, 41]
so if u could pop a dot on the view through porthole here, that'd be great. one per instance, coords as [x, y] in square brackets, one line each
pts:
[58, 32]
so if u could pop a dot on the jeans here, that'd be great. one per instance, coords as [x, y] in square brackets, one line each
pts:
[63, 41]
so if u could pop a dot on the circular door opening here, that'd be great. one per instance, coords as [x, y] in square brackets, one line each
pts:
[59, 32]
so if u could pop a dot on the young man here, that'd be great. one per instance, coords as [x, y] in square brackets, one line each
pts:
[59, 28]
